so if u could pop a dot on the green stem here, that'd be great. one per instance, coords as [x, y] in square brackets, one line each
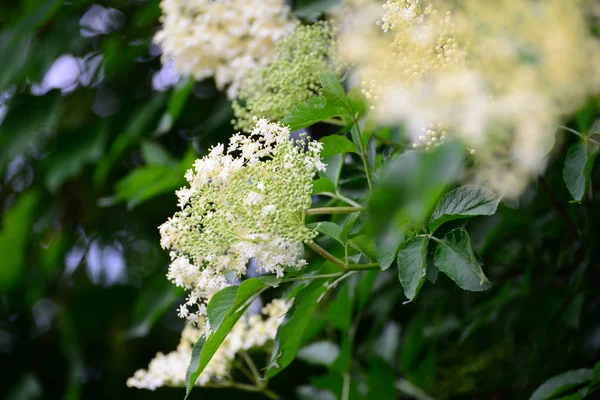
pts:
[363, 155]
[333, 210]
[362, 267]
[583, 137]
[341, 197]
[327, 255]
[248, 360]
[312, 277]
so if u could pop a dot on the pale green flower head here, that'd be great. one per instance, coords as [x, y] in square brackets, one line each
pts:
[291, 78]
[248, 202]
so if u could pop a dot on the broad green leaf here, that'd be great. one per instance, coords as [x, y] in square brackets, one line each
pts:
[347, 226]
[455, 258]
[328, 228]
[219, 305]
[310, 112]
[561, 383]
[412, 265]
[336, 144]
[16, 226]
[323, 185]
[333, 91]
[386, 246]
[577, 170]
[464, 202]
[333, 170]
[155, 154]
[365, 244]
[149, 181]
[319, 353]
[289, 334]
[205, 349]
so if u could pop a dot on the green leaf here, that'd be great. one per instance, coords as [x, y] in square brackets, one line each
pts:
[205, 349]
[336, 144]
[328, 228]
[561, 383]
[310, 112]
[464, 202]
[289, 335]
[347, 226]
[14, 237]
[149, 181]
[323, 185]
[412, 265]
[334, 169]
[333, 103]
[319, 353]
[219, 305]
[365, 244]
[333, 91]
[155, 154]
[455, 258]
[386, 246]
[577, 170]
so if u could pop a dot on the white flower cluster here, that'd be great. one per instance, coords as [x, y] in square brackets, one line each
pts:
[246, 203]
[500, 82]
[251, 331]
[222, 38]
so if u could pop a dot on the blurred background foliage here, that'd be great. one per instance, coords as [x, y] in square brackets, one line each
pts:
[95, 135]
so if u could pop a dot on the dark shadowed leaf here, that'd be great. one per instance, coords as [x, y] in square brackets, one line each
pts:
[204, 350]
[455, 258]
[561, 383]
[412, 265]
[464, 202]
[289, 334]
[578, 167]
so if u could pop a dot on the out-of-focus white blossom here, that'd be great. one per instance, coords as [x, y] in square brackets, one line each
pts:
[224, 39]
[251, 331]
[245, 203]
[499, 81]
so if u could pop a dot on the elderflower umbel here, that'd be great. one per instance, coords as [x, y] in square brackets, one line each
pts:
[221, 38]
[245, 203]
[251, 331]
[292, 77]
[499, 81]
